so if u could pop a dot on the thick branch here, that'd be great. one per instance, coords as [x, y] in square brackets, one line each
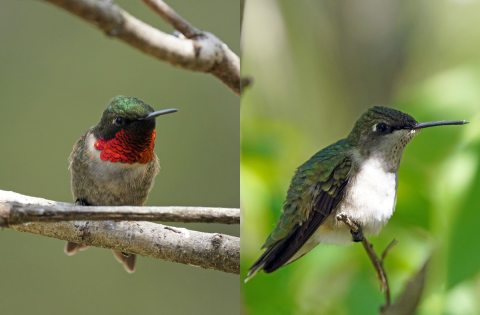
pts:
[206, 250]
[245, 82]
[18, 213]
[205, 53]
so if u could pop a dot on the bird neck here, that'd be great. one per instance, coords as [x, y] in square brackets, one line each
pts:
[127, 147]
[386, 160]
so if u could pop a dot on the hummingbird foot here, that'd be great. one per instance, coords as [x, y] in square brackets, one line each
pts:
[82, 202]
[357, 236]
[355, 227]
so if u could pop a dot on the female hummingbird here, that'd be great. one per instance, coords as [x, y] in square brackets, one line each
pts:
[113, 163]
[356, 177]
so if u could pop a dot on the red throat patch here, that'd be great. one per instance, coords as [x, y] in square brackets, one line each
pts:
[127, 148]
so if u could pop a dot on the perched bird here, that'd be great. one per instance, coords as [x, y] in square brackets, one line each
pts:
[113, 163]
[356, 177]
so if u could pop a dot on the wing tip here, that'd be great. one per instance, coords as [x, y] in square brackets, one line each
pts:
[252, 272]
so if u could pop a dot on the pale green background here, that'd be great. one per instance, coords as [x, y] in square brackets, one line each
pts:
[317, 65]
[57, 74]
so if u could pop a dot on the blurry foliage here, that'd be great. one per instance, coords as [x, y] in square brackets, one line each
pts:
[317, 66]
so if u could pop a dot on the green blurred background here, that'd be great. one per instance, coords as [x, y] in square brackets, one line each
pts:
[317, 66]
[57, 75]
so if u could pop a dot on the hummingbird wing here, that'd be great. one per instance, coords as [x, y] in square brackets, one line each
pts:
[316, 189]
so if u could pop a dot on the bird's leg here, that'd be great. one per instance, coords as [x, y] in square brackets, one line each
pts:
[82, 202]
[357, 236]
[377, 262]
[355, 227]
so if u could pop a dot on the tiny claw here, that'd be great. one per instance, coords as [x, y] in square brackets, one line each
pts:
[355, 228]
[81, 202]
[357, 236]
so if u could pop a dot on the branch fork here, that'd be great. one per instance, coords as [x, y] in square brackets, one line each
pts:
[376, 261]
[199, 51]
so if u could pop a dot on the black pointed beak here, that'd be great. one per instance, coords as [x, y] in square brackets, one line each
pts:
[438, 123]
[159, 113]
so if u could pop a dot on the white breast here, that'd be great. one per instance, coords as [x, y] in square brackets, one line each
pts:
[372, 195]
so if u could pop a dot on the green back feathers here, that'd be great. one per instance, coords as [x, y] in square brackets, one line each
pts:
[324, 171]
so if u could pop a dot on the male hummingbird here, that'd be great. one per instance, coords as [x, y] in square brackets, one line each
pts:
[356, 176]
[113, 163]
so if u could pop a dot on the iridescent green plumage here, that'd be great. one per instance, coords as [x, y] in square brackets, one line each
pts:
[322, 172]
[356, 176]
[129, 107]
[316, 189]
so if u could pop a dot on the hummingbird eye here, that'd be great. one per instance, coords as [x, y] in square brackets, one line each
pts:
[382, 128]
[119, 121]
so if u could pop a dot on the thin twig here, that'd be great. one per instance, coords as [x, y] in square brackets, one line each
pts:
[205, 250]
[17, 213]
[378, 265]
[389, 248]
[376, 261]
[172, 18]
[206, 53]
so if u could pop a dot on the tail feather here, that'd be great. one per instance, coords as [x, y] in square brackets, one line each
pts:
[83, 247]
[260, 263]
[274, 257]
[128, 261]
[252, 272]
[72, 248]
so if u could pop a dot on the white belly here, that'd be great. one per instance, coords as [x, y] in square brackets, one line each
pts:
[371, 199]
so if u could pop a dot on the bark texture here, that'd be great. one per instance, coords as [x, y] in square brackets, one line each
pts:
[202, 52]
[206, 250]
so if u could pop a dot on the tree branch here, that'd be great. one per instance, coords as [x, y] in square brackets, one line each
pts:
[172, 18]
[204, 52]
[245, 82]
[206, 250]
[17, 213]
[376, 261]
